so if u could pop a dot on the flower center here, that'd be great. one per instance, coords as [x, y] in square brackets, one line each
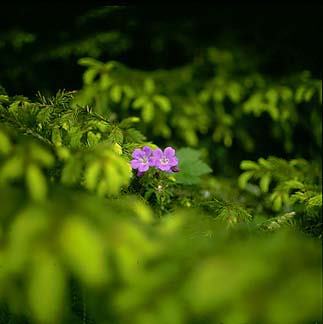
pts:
[143, 160]
[164, 161]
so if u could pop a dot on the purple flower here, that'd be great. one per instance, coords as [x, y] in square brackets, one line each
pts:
[142, 159]
[165, 161]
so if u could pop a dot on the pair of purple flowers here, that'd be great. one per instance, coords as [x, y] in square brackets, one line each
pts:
[145, 158]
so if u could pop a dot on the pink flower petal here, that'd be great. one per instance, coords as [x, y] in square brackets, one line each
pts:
[135, 164]
[147, 150]
[152, 161]
[136, 154]
[158, 153]
[169, 151]
[164, 167]
[143, 167]
[173, 161]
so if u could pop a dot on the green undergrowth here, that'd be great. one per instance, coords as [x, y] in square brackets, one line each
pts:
[84, 240]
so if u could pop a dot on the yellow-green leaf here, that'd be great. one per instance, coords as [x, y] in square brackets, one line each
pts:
[5, 145]
[148, 112]
[46, 289]
[83, 251]
[163, 102]
[265, 182]
[92, 174]
[244, 178]
[36, 182]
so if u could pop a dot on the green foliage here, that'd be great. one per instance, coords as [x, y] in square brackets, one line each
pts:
[291, 186]
[123, 262]
[191, 167]
[68, 168]
[82, 148]
[84, 239]
[188, 105]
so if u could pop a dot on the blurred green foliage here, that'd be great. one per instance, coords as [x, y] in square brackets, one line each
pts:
[188, 106]
[234, 237]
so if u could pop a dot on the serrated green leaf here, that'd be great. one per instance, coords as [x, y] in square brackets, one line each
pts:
[191, 167]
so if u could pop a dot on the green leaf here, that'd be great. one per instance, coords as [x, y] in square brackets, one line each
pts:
[75, 135]
[234, 92]
[265, 182]
[89, 61]
[5, 145]
[244, 178]
[265, 163]
[105, 81]
[93, 138]
[132, 135]
[127, 122]
[11, 169]
[249, 165]
[46, 288]
[4, 99]
[163, 102]
[191, 167]
[56, 137]
[315, 201]
[44, 115]
[149, 86]
[277, 202]
[89, 75]
[116, 94]
[36, 182]
[139, 102]
[116, 135]
[83, 251]
[92, 174]
[72, 171]
[218, 95]
[42, 155]
[148, 112]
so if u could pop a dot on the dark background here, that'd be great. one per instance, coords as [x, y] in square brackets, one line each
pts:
[286, 38]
